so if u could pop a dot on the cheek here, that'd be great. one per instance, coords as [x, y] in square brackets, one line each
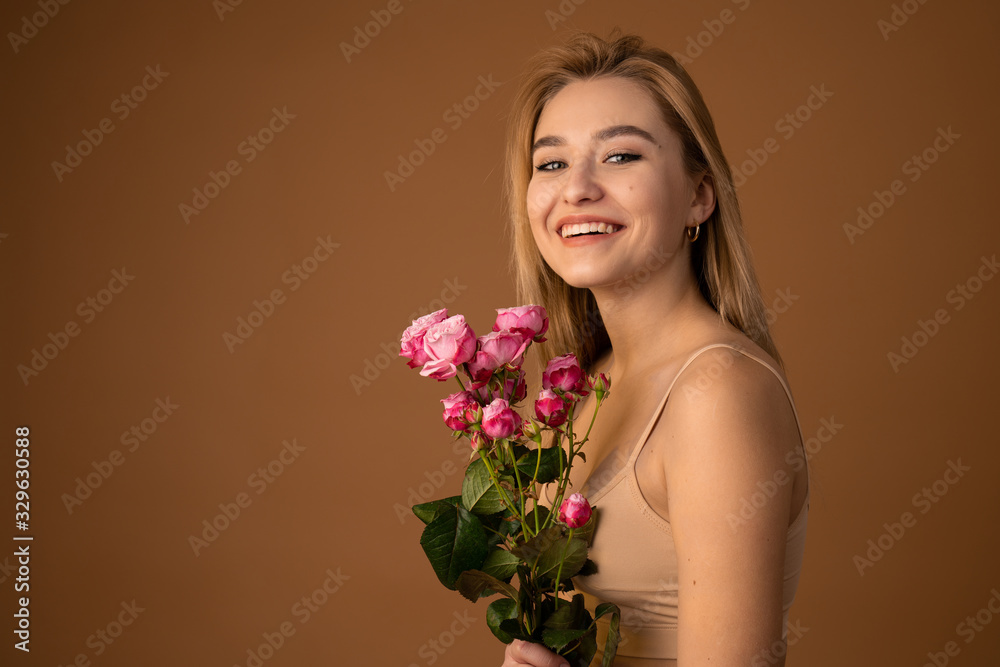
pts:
[541, 196]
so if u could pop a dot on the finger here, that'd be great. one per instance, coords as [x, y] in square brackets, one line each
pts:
[535, 655]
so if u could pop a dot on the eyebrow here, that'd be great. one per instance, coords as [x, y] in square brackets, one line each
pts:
[601, 135]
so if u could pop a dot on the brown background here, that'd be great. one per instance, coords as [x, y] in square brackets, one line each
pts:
[439, 233]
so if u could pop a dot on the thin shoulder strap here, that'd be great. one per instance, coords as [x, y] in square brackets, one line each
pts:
[649, 427]
[788, 393]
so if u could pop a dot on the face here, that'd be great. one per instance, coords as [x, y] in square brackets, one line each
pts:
[604, 154]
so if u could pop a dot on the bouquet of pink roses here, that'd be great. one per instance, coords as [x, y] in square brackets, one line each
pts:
[479, 541]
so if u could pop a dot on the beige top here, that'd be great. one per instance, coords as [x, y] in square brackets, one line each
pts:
[634, 549]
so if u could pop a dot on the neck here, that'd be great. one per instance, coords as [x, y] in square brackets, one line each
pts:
[652, 317]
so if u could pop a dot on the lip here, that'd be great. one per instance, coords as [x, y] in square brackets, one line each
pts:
[581, 218]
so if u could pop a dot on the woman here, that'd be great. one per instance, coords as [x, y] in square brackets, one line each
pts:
[626, 227]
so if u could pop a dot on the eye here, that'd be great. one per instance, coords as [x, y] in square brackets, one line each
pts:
[547, 166]
[626, 157]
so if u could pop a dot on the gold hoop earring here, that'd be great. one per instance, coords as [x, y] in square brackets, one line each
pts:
[697, 230]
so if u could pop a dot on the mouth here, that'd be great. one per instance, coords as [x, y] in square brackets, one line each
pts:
[592, 228]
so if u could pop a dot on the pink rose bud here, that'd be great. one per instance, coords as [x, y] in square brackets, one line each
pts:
[532, 321]
[448, 344]
[473, 413]
[575, 511]
[411, 345]
[564, 374]
[550, 408]
[499, 421]
[455, 408]
[478, 440]
[600, 384]
[532, 430]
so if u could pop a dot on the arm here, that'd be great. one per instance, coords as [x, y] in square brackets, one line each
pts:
[723, 441]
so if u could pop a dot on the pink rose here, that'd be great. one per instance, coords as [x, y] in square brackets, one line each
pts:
[550, 408]
[575, 511]
[564, 373]
[456, 409]
[499, 421]
[412, 343]
[448, 344]
[532, 321]
[497, 349]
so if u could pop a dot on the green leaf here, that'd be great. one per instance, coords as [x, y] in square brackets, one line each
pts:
[589, 568]
[567, 615]
[614, 634]
[478, 493]
[501, 564]
[541, 511]
[531, 550]
[454, 542]
[512, 628]
[583, 654]
[426, 512]
[501, 610]
[546, 459]
[557, 640]
[472, 583]
[572, 553]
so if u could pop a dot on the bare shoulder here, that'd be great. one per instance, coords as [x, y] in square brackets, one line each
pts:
[734, 400]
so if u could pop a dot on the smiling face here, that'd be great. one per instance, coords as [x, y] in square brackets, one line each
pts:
[604, 154]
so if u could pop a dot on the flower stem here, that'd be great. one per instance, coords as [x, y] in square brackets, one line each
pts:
[569, 537]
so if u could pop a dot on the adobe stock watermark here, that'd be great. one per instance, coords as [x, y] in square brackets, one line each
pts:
[102, 638]
[786, 126]
[122, 107]
[223, 7]
[636, 620]
[31, 25]
[693, 386]
[259, 481]
[133, 438]
[302, 611]
[900, 14]
[655, 259]
[363, 34]
[968, 628]
[697, 44]
[88, 310]
[768, 488]
[914, 167]
[432, 482]
[961, 294]
[776, 653]
[372, 368]
[562, 12]
[264, 309]
[248, 149]
[454, 116]
[435, 647]
[923, 500]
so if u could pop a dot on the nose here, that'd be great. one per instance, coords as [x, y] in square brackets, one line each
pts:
[581, 184]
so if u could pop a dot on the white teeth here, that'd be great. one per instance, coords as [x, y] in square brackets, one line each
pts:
[586, 227]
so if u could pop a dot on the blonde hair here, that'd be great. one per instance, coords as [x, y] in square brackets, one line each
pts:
[721, 257]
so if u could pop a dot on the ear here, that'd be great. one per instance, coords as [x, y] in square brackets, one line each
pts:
[702, 198]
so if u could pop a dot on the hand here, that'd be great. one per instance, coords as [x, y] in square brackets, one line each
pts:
[528, 654]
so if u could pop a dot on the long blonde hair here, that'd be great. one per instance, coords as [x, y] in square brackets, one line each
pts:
[721, 258]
